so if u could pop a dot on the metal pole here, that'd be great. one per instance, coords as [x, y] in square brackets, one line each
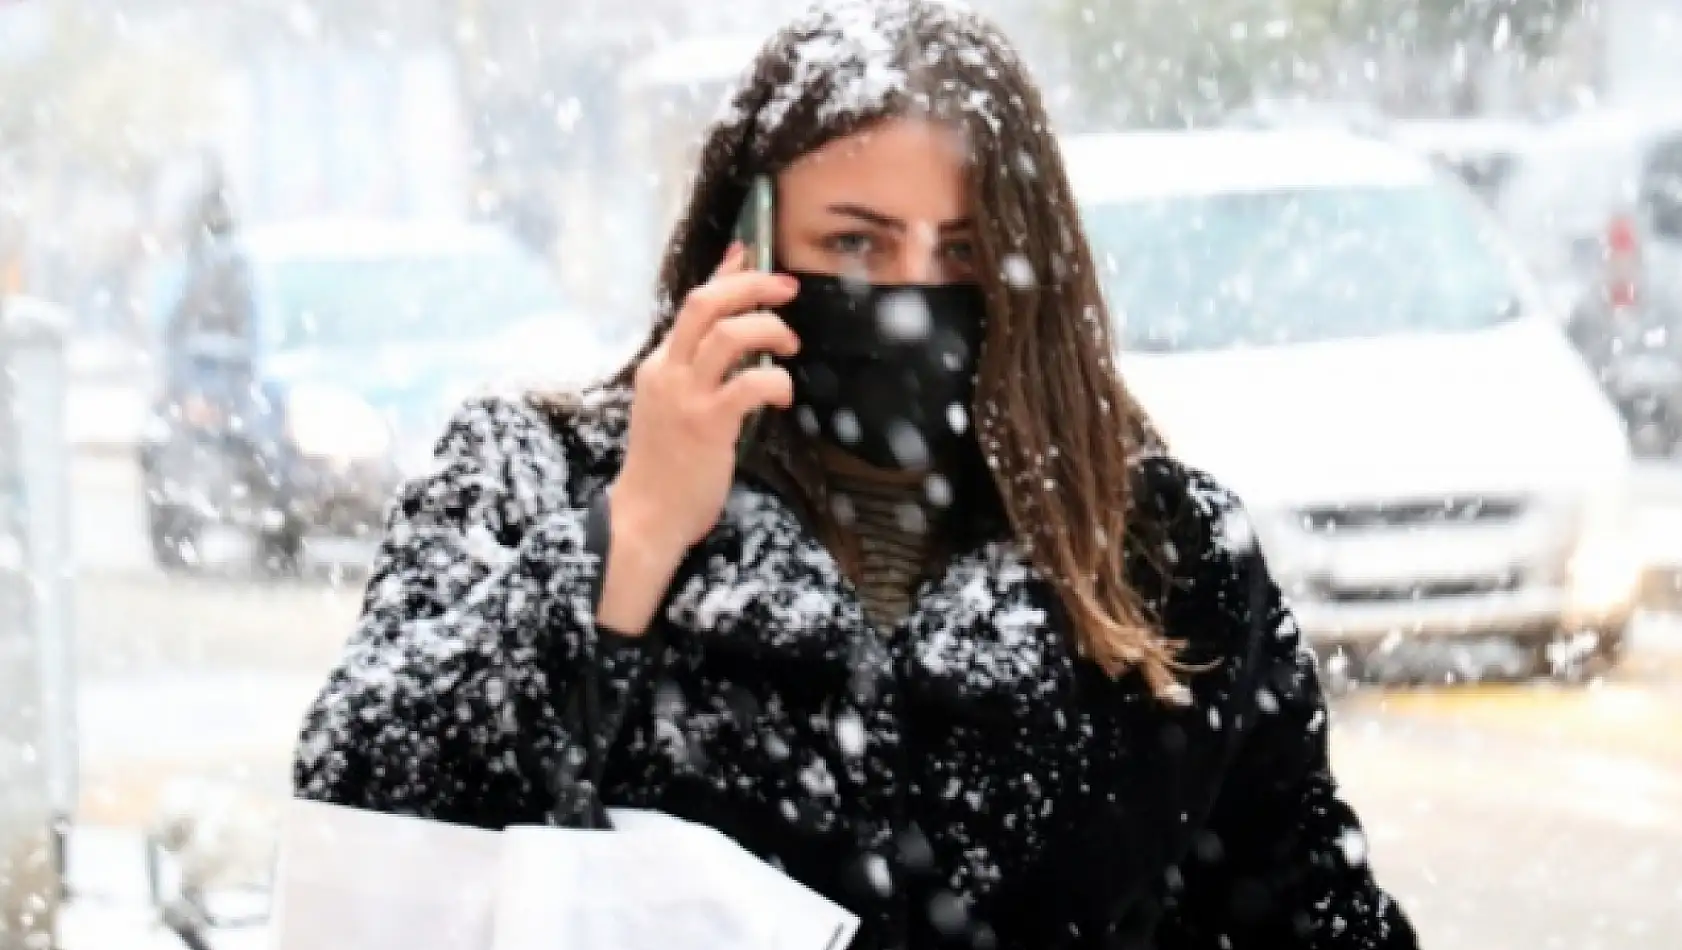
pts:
[39, 389]
[36, 733]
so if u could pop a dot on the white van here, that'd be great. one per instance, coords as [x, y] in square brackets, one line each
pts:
[1338, 332]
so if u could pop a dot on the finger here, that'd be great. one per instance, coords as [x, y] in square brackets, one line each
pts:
[758, 387]
[733, 262]
[727, 296]
[735, 256]
[733, 339]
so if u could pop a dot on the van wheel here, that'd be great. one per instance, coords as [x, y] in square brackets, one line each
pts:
[1612, 644]
[174, 533]
[1343, 669]
[1581, 656]
[281, 553]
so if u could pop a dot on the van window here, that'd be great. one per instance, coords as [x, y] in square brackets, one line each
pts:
[433, 297]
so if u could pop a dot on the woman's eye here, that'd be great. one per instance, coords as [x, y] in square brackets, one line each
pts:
[854, 244]
[961, 251]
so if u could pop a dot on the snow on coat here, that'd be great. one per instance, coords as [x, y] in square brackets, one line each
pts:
[965, 779]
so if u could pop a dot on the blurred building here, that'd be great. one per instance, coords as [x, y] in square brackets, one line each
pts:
[514, 111]
[562, 143]
[1639, 62]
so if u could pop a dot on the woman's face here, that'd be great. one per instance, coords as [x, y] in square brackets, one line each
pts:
[887, 205]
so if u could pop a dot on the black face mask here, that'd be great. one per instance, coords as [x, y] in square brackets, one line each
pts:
[886, 372]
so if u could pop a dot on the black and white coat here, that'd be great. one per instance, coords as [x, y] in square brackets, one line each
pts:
[964, 780]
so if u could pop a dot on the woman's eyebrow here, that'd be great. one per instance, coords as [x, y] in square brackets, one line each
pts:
[877, 218]
[867, 215]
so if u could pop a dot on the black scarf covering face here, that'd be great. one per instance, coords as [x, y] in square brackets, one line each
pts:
[886, 372]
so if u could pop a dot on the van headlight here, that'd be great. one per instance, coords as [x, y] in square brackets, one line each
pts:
[1605, 568]
[331, 422]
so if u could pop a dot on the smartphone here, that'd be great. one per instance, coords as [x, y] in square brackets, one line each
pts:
[756, 229]
[755, 225]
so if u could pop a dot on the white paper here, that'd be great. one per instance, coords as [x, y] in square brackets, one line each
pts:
[359, 879]
[796, 917]
[369, 881]
[653, 883]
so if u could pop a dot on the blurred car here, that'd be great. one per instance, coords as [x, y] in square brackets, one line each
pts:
[1336, 329]
[1596, 204]
[308, 368]
[1483, 153]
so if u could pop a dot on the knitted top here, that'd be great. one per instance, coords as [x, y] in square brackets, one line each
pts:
[891, 522]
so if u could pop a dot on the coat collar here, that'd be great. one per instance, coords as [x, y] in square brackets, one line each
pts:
[985, 636]
[982, 634]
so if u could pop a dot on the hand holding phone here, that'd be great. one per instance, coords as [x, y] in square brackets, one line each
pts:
[695, 395]
[692, 397]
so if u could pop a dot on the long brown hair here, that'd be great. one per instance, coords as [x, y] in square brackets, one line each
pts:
[1058, 428]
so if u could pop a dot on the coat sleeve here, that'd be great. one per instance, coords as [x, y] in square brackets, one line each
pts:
[444, 702]
[1284, 859]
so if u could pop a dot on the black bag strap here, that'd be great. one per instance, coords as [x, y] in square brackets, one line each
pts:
[578, 778]
[592, 728]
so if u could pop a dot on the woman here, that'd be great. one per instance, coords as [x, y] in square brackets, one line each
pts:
[919, 609]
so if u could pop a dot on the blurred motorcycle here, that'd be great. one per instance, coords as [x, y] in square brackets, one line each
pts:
[1596, 202]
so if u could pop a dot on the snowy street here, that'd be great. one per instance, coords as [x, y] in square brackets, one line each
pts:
[1396, 286]
[205, 678]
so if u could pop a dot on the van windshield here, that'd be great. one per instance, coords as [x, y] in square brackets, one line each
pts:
[1270, 268]
[419, 298]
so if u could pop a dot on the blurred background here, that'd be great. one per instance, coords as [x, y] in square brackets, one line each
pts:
[253, 251]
